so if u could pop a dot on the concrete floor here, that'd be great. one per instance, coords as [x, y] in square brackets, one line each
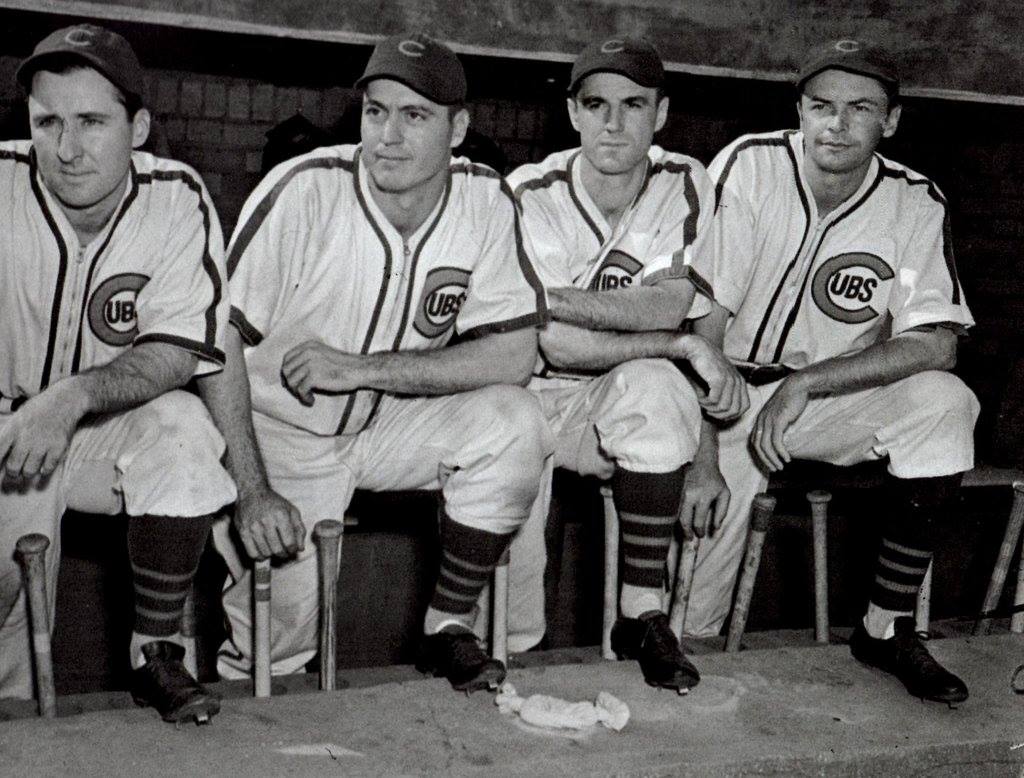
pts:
[774, 711]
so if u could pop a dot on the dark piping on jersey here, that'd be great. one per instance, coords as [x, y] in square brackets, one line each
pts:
[128, 200]
[752, 357]
[58, 293]
[810, 263]
[578, 203]
[356, 182]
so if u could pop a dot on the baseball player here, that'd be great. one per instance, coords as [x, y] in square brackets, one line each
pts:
[843, 309]
[350, 269]
[613, 227]
[111, 298]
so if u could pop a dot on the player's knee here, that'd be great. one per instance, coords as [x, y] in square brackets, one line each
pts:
[650, 421]
[511, 417]
[657, 387]
[173, 467]
[941, 394]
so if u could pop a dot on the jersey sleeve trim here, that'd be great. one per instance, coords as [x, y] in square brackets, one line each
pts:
[509, 325]
[259, 214]
[679, 270]
[250, 335]
[201, 350]
[209, 266]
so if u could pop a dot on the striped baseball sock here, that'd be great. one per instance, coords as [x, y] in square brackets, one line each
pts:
[164, 553]
[648, 506]
[468, 557]
[908, 540]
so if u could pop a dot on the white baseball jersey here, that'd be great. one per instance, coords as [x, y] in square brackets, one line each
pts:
[668, 225]
[804, 288]
[155, 274]
[313, 257]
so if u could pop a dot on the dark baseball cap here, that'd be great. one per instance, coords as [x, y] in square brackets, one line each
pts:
[422, 64]
[853, 56]
[634, 58]
[97, 47]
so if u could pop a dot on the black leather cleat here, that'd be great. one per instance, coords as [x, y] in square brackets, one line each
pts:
[164, 683]
[905, 657]
[650, 641]
[455, 653]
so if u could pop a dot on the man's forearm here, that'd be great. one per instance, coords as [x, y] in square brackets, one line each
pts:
[129, 380]
[571, 347]
[880, 364]
[636, 309]
[497, 358]
[227, 396]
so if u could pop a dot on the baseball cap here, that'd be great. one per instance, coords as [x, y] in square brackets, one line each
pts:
[422, 64]
[634, 58]
[852, 56]
[98, 47]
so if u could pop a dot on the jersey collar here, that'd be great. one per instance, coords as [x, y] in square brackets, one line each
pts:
[796, 141]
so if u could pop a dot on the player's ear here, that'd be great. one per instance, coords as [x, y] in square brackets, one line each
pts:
[662, 117]
[460, 124]
[891, 121]
[140, 127]
[571, 105]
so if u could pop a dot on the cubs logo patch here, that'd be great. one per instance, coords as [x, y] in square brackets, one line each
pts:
[112, 313]
[845, 285]
[613, 46]
[617, 271]
[444, 291]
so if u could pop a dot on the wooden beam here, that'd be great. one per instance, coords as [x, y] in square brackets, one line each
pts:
[115, 10]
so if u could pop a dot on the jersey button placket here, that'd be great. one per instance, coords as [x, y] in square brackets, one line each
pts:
[72, 311]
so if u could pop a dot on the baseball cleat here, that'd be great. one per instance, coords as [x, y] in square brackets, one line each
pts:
[905, 657]
[455, 653]
[651, 642]
[165, 684]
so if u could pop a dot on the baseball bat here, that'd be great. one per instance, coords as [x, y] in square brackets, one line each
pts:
[819, 500]
[499, 611]
[611, 572]
[188, 632]
[327, 535]
[922, 608]
[1009, 545]
[30, 550]
[261, 627]
[763, 507]
[684, 583]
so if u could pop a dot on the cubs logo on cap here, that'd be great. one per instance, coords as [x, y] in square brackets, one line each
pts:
[97, 47]
[853, 56]
[634, 58]
[424, 65]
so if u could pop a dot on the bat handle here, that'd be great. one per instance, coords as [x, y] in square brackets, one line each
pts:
[327, 535]
[31, 550]
[819, 500]
[261, 631]
[763, 507]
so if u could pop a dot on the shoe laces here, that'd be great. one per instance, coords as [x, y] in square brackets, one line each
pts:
[910, 650]
[659, 638]
[465, 651]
